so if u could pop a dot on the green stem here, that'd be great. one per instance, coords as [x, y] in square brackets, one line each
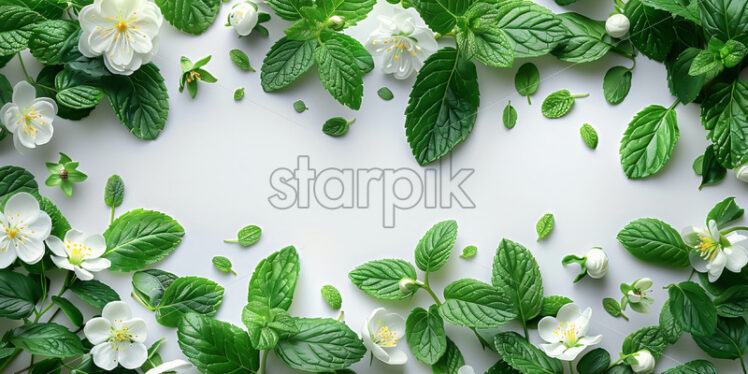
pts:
[263, 362]
[25, 72]
[571, 368]
[527, 334]
[483, 342]
[69, 280]
[351, 121]
[621, 358]
[625, 317]
[732, 229]
[230, 241]
[580, 95]
[634, 65]
[528, 100]
[6, 361]
[439, 36]
[431, 292]
[677, 101]
[138, 299]
[111, 216]
[693, 271]
[742, 364]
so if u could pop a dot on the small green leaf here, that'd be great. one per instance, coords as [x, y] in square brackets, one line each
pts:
[509, 117]
[299, 106]
[239, 94]
[140, 101]
[339, 72]
[469, 251]
[332, 296]
[649, 141]
[187, 295]
[241, 59]
[148, 286]
[16, 26]
[216, 347]
[190, 16]
[654, 241]
[286, 61]
[595, 361]
[670, 329]
[114, 192]
[223, 264]
[616, 84]
[517, 276]
[472, 303]
[274, 280]
[712, 172]
[70, 310]
[589, 135]
[18, 295]
[525, 357]
[698, 164]
[140, 238]
[545, 225]
[652, 30]
[424, 331]
[451, 360]
[336, 126]
[527, 80]
[322, 345]
[95, 293]
[385, 94]
[557, 104]
[381, 278]
[725, 212]
[650, 338]
[435, 247]
[247, 236]
[612, 306]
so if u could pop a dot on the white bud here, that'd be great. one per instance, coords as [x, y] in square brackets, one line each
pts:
[634, 297]
[644, 362]
[617, 25]
[741, 172]
[407, 285]
[642, 284]
[243, 17]
[596, 263]
[336, 22]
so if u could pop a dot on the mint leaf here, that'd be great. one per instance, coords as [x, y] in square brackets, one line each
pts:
[523, 356]
[190, 16]
[188, 294]
[649, 338]
[339, 72]
[140, 238]
[381, 278]
[266, 326]
[729, 341]
[424, 331]
[725, 212]
[331, 295]
[48, 39]
[724, 19]
[595, 361]
[612, 306]
[321, 345]
[616, 84]
[517, 276]
[16, 26]
[286, 61]
[469, 251]
[670, 329]
[70, 310]
[451, 360]
[140, 101]
[49, 9]
[299, 106]
[18, 295]
[46, 339]
[683, 85]
[336, 126]
[385, 93]
[509, 117]
[80, 97]
[527, 80]
[440, 15]
[686, 9]
[725, 114]
[435, 247]
[149, 285]
[432, 134]
[692, 309]
[114, 191]
[472, 303]
[14, 178]
[649, 141]
[589, 135]
[289, 10]
[532, 29]
[216, 347]
[545, 225]
[693, 367]
[364, 61]
[351, 11]
[712, 172]
[585, 41]
[241, 59]
[222, 264]
[483, 41]
[651, 30]
[557, 104]
[274, 280]
[654, 241]
[94, 293]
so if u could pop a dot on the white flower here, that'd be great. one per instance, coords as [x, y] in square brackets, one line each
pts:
[28, 118]
[402, 45]
[243, 17]
[381, 333]
[567, 333]
[644, 362]
[596, 263]
[23, 228]
[636, 295]
[125, 32]
[117, 337]
[467, 369]
[80, 253]
[741, 172]
[713, 252]
[176, 366]
[617, 25]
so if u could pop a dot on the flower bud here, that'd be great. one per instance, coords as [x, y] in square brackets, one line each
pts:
[741, 172]
[642, 284]
[408, 285]
[617, 25]
[643, 362]
[336, 22]
[243, 17]
[596, 263]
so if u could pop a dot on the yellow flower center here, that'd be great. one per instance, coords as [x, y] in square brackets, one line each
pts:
[78, 252]
[121, 26]
[12, 233]
[568, 333]
[119, 336]
[708, 248]
[385, 338]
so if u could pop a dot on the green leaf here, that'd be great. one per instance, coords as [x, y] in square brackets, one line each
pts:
[724, 19]
[223, 264]
[693, 367]
[80, 97]
[595, 361]
[266, 326]
[339, 72]
[650, 338]
[188, 295]
[517, 276]
[725, 114]
[589, 135]
[381, 278]
[651, 30]
[557, 104]
[48, 39]
[545, 225]
[289, 10]
[49, 9]
[712, 172]
[239, 94]
[332, 297]
[153, 359]
[523, 356]
[683, 85]
[469, 251]
[363, 58]
[611, 306]
[274, 279]
[216, 347]
[440, 15]
[248, 235]
[46, 339]
[16, 26]
[451, 360]
[46, 80]
[149, 285]
[684, 8]
[585, 41]
[190, 16]
[336, 126]
[729, 341]
[425, 334]
[725, 212]
[483, 41]
[670, 329]
[140, 238]
[616, 84]
[70, 310]
[385, 93]
[527, 80]
[733, 303]
[533, 29]
[509, 117]
[472, 303]
[351, 11]
[322, 344]
[649, 141]
[654, 241]
[692, 309]
[736, 51]
[140, 101]
[501, 367]
[14, 178]
[114, 192]
[299, 106]
[435, 247]
[48, 366]
[94, 293]
[18, 295]
[443, 105]
[697, 165]
[241, 59]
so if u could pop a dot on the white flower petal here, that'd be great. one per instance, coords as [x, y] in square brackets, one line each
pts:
[571, 353]
[55, 245]
[737, 258]
[396, 357]
[104, 356]
[30, 251]
[96, 243]
[568, 313]
[466, 370]
[82, 273]
[23, 94]
[553, 349]
[21, 207]
[9, 115]
[96, 264]
[97, 330]
[137, 328]
[7, 254]
[175, 366]
[546, 327]
[132, 356]
[62, 262]
[117, 312]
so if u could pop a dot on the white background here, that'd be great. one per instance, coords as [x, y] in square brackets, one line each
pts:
[210, 168]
